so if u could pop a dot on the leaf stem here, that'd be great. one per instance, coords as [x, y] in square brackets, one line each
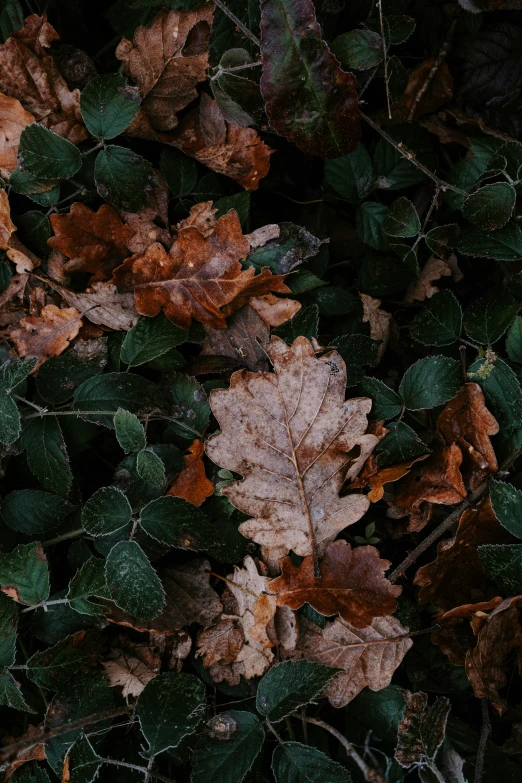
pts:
[484, 734]
[385, 59]
[144, 770]
[368, 772]
[64, 537]
[238, 22]
[45, 604]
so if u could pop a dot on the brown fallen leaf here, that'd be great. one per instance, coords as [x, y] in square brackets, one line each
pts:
[242, 340]
[6, 224]
[102, 304]
[221, 642]
[13, 119]
[228, 149]
[422, 728]
[14, 288]
[439, 92]
[94, 242]
[273, 310]
[466, 421]
[379, 321]
[47, 335]
[376, 477]
[127, 672]
[167, 60]
[455, 633]
[290, 434]
[180, 649]
[192, 483]
[201, 216]
[456, 577]
[198, 277]
[150, 223]
[369, 656]
[33, 753]
[189, 596]
[422, 288]
[30, 75]
[352, 584]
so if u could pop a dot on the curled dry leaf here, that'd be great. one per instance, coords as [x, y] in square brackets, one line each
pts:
[47, 335]
[167, 60]
[352, 584]
[290, 434]
[273, 310]
[201, 216]
[376, 477]
[422, 729]
[422, 288]
[379, 321]
[30, 75]
[127, 672]
[102, 304]
[95, 242]
[198, 277]
[220, 643]
[368, 657]
[455, 634]
[243, 340]
[6, 224]
[13, 119]
[192, 483]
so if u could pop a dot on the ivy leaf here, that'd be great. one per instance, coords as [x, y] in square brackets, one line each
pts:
[288, 686]
[309, 99]
[503, 565]
[430, 382]
[8, 629]
[81, 763]
[351, 175]
[24, 574]
[501, 389]
[439, 322]
[46, 155]
[386, 403]
[358, 50]
[490, 207]
[11, 696]
[487, 318]
[296, 763]
[32, 511]
[123, 178]
[53, 668]
[129, 431]
[46, 454]
[106, 511]
[228, 749]
[132, 582]
[401, 220]
[150, 338]
[108, 105]
[150, 468]
[180, 172]
[507, 505]
[169, 708]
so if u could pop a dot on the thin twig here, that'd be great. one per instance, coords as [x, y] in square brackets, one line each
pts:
[428, 216]
[385, 57]
[64, 537]
[144, 770]
[368, 772]
[406, 153]
[484, 734]
[238, 22]
[44, 604]
[149, 773]
[274, 732]
[443, 53]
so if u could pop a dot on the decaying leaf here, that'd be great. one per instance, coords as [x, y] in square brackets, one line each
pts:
[198, 277]
[438, 93]
[295, 440]
[189, 596]
[422, 288]
[13, 119]
[379, 321]
[104, 305]
[273, 310]
[369, 656]
[6, 224]
[127, 672]
[352, 584]
[243, 340]
[192, 483]
[455, 634]
[220, 643]
[46, 335]
[374, 477]
[422, 729]
[33, 753]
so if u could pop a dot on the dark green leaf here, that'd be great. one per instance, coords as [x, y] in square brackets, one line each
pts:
[228, 749]
[442, 238]
[106, 511]
[32, 511]
[514, 341]
[386, 403]
[490, 207]
[191, 410]
[45, 192]
[178, 523]
[357, 350]
[352, 175]
[129, 431]
[108, 105]
[370, 218]
[107, 393]
[11, 18]
[502, 390]
[305, 323]
[133, 584]
[87, 583]
[24, 574]
[401, 444]
[358, 50]
[83, 763]
[507, 505]
[401, 220]
[58, 378]
[296, 763]
[11, 696]
[430, 382]
[503, 565]
[288, 686]
[150, 468]
[180, 171]
[439, 322]
[47, 454]
[54, 668]
[10, 426]
[503, 245]
[46, 155]
[487, 318]
[381, 274]
[8, 628]
[123, 178]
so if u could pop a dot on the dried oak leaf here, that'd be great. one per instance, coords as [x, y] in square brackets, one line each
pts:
[243, 340]
[6, 224]
[295, 440]
[422, 288]
[273, 310]
[199, 276]
[369, 656]
[94, 242]
[376, 477]
[422, 729]
[352, 584]
[167, 60]
[456, 577]
[221, 642]
[226, 148]
[466, 421]
[13, 119]
[30, 75]
[192, 483]
[103, 304]
[127, 672]
[47, 335]
[379, 321]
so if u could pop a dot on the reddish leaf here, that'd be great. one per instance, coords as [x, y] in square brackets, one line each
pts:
[47, 335]
[192, 483]
[13, 119]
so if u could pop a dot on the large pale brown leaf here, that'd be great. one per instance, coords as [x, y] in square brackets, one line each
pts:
[369, 656]
[46, 335]
[352, 584]
[128, 672]
[103, 304]
[290, 434]
[13, 119]
[167, 60]
[199, 276]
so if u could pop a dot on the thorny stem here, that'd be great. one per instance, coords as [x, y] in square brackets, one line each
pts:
[173, 419]
[32, 404]
[484, 734]
[443, 52]
[369, 773]
[64, 537]
[238, 22]
[385, 58]
[406, 153]
[144, 770]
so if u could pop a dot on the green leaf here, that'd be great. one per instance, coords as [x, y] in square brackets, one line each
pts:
[13, 373]
[357, 350]
[228, 749]
[123, 178]
[8, 628]
[112, 391]
[150, 468]
[24, 574]
[11, 696]
[503, 565]
[10, 426]
[305, 323]
[386, 403]
[288, 686]
[381, 275]
[358, 50]
[430, 382]
[83, 763]
[169, 708]
[514, 341]
[440, 238]
[401, 219]
[32, 511]
[61, 375]
[333, 300]
[191, 409]
[107, 511]
[45, 192]
[54, 668]
[392, 171]
[150, 338]
[352, 175]
[132, 582]
[89, 581]
[108, 105]
[129, 431]
[439, 322]
[400, 444]
[238, 201]
[46, 155]
[503, 245]
[370, 221]
[501, 389]
[507, 505]
[308, 98]
[304, 281]
[490, 207]
[34, 230]
[296, 763]
[46, 453]
[11, 18]
[176, 522]
[487, 318]
[180, 171]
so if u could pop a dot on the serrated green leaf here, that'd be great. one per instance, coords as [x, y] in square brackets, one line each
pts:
[47, 455]
[24, 574]
[357, 350]
[352, 175]
[61, 375]
[369, 218]
[439, 322]
[112, 391]
[400, 444]
[430, 382]
[487, 318]
[44, 192]
[129, 431]
[178, 523]
[358, 50]
[514, 341]
[106, 511]
[501, 389]
[150, 468]
[10, 425]
[132, 582]
[296, 763]
[386, 403]
[32, 511]
[8, 629]
[507, 505]
[123, 178]
[305, 323]
[169, 708]
[46, 155]
[88, 582]
[442, 238]
[11, 696]
[502, 245]
[13, 373]
[502, 563]
[401, 220]
[150, 338]
[288, 686]
[108, 105]
[191, 410]
[490, 207]
[226, 753]
[333, 300]
[83, 762]
[180, 172]
[53, 668]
